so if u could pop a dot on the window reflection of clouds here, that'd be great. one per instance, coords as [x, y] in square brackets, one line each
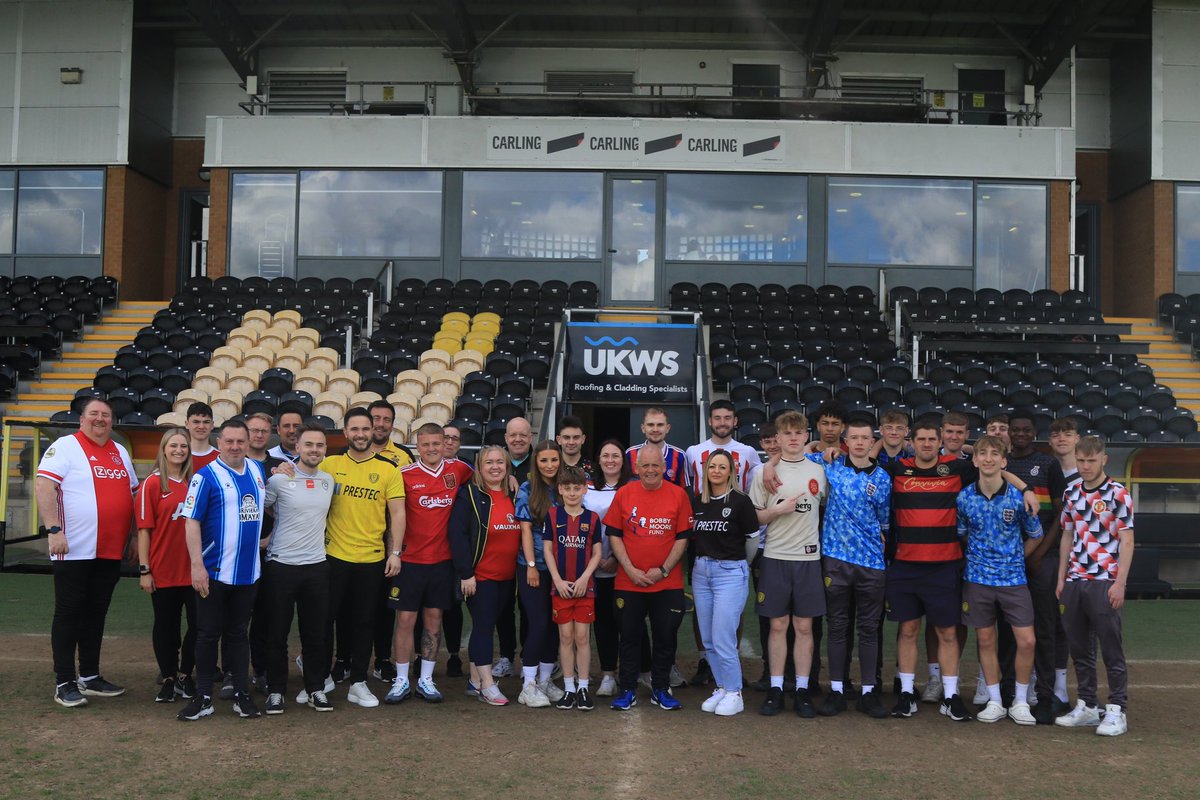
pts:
[532, 214]
[900, 221]
[261, 219]
[370, 213]
[1187, 228]
[1010, 240]
[60, 212]
[8, 199]
[633, 230]
[737, 218]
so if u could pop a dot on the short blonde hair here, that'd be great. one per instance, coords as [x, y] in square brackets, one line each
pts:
[994, 442]
[1090, 446]
[791, 421]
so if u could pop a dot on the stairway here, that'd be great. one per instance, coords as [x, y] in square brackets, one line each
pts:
[53, 389]
[1172, 362]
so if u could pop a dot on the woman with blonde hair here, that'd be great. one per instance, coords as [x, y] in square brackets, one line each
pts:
[165, 566]
[485, 539]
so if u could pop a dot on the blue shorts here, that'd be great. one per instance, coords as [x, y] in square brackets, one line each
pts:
[934, 591]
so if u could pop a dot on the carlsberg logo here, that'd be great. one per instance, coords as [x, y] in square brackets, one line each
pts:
[613, 361]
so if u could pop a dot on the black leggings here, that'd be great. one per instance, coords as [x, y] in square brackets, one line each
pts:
[541, 644]
[82, 592]
[173, 654]
[485, 606]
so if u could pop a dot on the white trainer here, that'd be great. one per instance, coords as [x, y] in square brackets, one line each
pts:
[677, 679]
[933, 691]
[981, 694]
[714, 700]
[1020, 714]
[992, 712]
[608, 686]
[1081, 716]
[644, 680]
[502, 668]
[551, 691]
[302, 695]
[302, 698]
[730, 705]
[532, 697]
[360, 695]
[1114, 723]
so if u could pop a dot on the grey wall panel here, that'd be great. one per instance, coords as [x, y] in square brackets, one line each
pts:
[68, 136]
[80, 26]
[1187, 283]
[9, 15]
[8, 77]
[917, 277]
[1181, 150]
[41, 86]
[959, 150]
[6, 118]
[197, 100]
[1181, 93]
[1092, 102]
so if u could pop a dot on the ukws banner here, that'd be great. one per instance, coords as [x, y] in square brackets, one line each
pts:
[637, 363]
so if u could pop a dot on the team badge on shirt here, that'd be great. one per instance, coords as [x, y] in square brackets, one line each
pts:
[450, 480]
[1009, 515]
[373, 477]
[726, 511]
[116, 459]
[1099, 507]
[813, 487]
[249, 509]
[1034, 469]
[943, 470]
[50, 453]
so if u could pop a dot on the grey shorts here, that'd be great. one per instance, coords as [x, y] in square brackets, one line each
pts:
[980, 602]
[790, 588]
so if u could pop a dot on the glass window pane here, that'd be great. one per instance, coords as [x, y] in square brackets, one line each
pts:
[634, 209]
[737, 218]
[262, 214]
[8, 198]
[900, 221]
[1187, 228]
[365, 214]
[61, 212]
[532, 214]
[1010, 241]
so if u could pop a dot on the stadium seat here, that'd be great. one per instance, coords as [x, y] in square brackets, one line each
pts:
[1108, 420]
[1179, 421]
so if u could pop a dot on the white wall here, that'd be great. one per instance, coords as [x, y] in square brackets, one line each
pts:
[45, 122]
[1175, 87]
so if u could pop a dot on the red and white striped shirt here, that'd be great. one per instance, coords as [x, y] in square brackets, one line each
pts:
[95, 493]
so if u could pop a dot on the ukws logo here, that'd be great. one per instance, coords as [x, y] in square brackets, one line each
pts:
[620, 358]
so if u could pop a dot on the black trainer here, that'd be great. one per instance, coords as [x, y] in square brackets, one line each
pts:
[764, 681]
[954, 708]
[583, 700]
[703, 676]
[566, 701]
[166, 692]
[341, 671]
[275, 703]
[98, 687]
[259, 683]
[906, 705]
[244, 706]
[1043, 713]
[185, 687]
[200, 706]
[454, 667]
[773, 704]
[896, 686]
[68, 695]
[803, 704]
[833, 704]
[869, 704]
[384, 670]
[318, 701]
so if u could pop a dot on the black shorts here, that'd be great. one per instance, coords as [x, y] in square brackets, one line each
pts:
[790, 588]
[423, 586]
[933, 591]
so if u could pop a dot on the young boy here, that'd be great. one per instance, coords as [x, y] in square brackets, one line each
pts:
[790, 589]
[955, 429]
[199, 426]
[571, 543]
[999, 534]
[998, 426]
[893, 437]
[1094, 562]
[1064, 435]
[831, 424]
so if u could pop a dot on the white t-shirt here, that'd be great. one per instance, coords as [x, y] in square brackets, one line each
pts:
[795, 536]
[96, 485]
[599, 500]
[745, 458]
[301, 505]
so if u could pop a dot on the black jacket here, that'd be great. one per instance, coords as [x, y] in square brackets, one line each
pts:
[469, 528]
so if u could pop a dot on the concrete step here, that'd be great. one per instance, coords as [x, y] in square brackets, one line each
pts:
[1132, 320]
[42, 397]
[1147, 337]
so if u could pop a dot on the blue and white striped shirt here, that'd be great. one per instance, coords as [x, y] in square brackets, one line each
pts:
[229, 507]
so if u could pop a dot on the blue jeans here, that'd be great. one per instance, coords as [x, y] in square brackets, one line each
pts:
[719, 590]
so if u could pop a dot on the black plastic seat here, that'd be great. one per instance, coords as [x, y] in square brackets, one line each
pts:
[1108, 420]
[1144, 420]
[850, 391]
[762, 369]
[1055, 395]
[885, 393]
[987, 393]
[1021, 394]
[474, 407]
[1179, 421]
[260, 402]
[829, 370]
[156, 402]
[814, 391]
[377, 381]
[742, 389]
[750, 412]
[297, 397]
[109, 379]
[123, 401]
[953, 393]
[1158, 397]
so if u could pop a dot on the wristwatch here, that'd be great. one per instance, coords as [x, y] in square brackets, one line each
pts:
[665, 572]
[47, 531]
[396, 553]
[531, 564]
[143, 569]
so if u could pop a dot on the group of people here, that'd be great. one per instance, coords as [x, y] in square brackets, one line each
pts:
[377, 549]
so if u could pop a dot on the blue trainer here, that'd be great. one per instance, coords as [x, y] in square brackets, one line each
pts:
[625, 701]
[664, 700]
[401, 690]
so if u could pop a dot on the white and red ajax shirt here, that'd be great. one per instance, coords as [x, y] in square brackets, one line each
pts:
[95, 492]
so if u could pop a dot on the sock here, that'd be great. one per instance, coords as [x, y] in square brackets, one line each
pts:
[993, 690]
[1022, 695]
[402, 669]
[569, 684]
[949, 686]
[801, 681]
[906, 681]
[529, 674]
[544, 671]
[835, 686]
[88, 678]
[583, 683]
[868, 688]
[427, 669]
[776, 681]
[1060, 684]
[935, 671]
[982, 679]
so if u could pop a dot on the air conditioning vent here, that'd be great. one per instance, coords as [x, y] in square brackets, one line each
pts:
[589, 82]
[305, 91]
[882, 89]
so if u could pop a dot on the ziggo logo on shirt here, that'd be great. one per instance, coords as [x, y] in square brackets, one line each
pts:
[104, 473]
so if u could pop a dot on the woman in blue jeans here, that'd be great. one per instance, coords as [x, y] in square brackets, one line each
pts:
[724, 533]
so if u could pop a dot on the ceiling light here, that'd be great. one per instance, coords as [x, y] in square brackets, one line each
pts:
[841, 210]
[759, 206]
[748, 225]
[517, 202]
[526, 222]
[856, 194]
[799, 216]
[960, 213]
[1013, 229]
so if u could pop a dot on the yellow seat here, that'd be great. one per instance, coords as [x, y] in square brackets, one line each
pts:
[288, 319]
[456, 316]
[448, 345]
[485, 327]
[487, 316]
[452, 327]
[480, 345]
